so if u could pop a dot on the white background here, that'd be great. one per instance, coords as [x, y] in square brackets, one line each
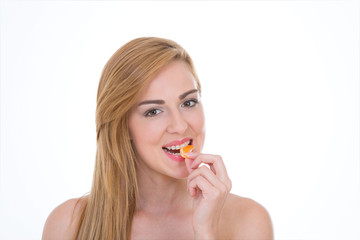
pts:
[280, 88]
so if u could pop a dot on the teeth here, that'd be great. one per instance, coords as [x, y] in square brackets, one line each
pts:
[166, 150]
[184, 144]
[177, 147]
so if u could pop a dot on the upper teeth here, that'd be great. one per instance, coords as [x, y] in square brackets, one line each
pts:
[177, 147]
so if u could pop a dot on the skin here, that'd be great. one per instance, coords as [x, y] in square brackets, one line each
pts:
[177, 200]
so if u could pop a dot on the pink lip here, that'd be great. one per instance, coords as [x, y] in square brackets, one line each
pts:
[176, 158]
[177, 142]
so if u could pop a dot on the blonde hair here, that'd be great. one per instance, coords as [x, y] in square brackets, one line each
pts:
[111, 203]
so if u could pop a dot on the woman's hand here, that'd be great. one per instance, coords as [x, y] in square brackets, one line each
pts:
[209, 186]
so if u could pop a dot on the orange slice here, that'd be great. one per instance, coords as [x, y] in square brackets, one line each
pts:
[186, 149]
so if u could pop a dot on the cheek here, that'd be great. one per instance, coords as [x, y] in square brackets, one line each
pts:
[198, 126]
[153, 132]
[199, 121]
[146, 133]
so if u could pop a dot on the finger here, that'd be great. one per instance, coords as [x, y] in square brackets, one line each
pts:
[201, 183]
[205, 172]
[188, 163]
[215, 162]
[191, 155]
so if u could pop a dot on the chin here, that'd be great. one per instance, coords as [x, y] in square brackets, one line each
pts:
[180, 174]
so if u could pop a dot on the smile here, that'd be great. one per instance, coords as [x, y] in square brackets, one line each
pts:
[175, 149]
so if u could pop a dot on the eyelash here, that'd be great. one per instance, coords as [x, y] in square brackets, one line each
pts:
[150, 112]
[194, 100]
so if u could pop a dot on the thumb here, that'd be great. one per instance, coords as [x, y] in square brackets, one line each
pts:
[188, 163]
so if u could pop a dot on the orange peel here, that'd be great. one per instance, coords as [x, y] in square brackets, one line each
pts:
[186, 149]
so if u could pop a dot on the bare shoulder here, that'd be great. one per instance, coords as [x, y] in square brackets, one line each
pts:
[243, 218]
[64, 219]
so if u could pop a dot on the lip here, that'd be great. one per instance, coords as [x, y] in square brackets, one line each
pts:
[177, 142]
[176, 158]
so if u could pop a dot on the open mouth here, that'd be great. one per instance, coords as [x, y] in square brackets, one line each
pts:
[175, 149]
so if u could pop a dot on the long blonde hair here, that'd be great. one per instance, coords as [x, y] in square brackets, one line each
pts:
[111, 203]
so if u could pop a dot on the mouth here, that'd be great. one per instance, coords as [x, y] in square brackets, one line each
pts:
[175, 149]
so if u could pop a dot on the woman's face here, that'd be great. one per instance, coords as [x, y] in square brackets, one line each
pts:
[167, 116]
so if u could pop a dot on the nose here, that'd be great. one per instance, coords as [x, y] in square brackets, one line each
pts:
[177, 123]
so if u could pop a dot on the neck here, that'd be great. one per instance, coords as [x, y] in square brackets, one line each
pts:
[159, 194]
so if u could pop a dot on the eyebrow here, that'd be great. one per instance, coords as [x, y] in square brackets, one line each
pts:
[152, 102]
[182, 96]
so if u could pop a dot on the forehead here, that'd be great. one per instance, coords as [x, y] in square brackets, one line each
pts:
[172, 80]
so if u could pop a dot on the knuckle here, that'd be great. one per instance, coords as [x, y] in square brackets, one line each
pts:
[230, 185]
[204, 168]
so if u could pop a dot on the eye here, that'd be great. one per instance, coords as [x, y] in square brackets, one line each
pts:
[152, 112]
[190, 103]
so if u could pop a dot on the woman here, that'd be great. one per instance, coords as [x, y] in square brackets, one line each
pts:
[148, 106]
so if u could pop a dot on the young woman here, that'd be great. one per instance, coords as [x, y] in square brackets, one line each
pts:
[149, 106]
